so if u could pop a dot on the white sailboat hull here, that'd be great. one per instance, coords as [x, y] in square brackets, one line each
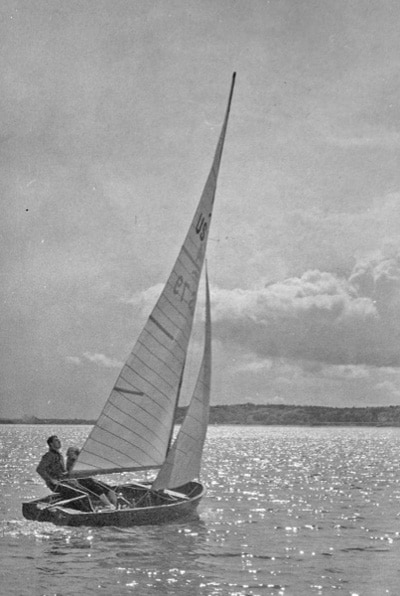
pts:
[151, 507]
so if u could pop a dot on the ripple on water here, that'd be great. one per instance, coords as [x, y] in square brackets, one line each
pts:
[289, 511]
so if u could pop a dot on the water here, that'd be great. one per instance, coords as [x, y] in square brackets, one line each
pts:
[289, 511]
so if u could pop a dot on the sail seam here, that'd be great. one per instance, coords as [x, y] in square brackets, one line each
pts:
[169, 353]
[187, 253]
[180, 313]
[107, 432]
[102, 458]
[167, 349]
[139, 407]
[160, 392]
[183, 264]
[127, 427]
[172, 371]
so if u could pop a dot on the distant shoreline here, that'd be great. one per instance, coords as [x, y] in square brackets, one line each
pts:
[267, 415]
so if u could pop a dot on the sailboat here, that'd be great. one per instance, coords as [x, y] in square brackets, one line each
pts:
[134, 432]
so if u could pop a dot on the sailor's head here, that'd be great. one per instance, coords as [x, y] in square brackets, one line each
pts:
[54, 442]
[72, 453]
[72, 456]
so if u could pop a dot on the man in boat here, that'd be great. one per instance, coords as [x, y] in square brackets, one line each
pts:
[52, 469]
[94, 487]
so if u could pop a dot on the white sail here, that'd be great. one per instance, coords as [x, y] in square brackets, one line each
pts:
[134, 429]
[183, 461]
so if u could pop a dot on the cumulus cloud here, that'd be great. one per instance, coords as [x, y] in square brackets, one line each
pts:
[145, 300]
[319, 316]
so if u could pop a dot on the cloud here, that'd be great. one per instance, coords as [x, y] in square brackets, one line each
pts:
[319, 316]
[388, 388]
[145, 300]
[102, 360]
[347, 372]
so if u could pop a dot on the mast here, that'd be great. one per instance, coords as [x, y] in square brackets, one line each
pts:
[134, 428]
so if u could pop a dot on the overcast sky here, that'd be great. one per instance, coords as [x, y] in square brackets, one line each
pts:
[110, 113]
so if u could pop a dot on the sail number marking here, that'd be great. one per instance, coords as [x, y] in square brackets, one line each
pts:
[182, 288]
[186, 294]
[201, 226]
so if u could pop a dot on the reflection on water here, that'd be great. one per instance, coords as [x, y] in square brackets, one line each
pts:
[289, 511]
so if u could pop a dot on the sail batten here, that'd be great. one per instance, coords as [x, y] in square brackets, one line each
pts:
[130, 391]
[153, 371]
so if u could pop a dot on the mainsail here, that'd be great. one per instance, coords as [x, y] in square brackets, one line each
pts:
[134, 429]
[183, 461]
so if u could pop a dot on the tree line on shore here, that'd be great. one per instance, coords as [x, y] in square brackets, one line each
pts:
[271, 414]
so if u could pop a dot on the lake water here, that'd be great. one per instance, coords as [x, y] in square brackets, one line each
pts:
[290, 511]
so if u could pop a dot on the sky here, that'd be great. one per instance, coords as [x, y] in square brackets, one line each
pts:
[110, 114]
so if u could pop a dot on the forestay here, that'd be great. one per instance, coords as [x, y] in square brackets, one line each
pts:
[134, 429]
